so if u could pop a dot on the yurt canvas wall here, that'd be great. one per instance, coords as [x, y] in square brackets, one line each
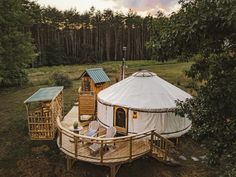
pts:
[147, 102]
[166, 123]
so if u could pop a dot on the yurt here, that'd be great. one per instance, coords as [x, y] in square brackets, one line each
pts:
[143, 102]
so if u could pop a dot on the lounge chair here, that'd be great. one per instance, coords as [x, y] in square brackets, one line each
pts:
[93, 129]
[95, 147]
[91, 132]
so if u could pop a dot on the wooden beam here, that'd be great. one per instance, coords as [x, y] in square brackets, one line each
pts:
[177, 141]
[130, 148]
[165, 154]
[60, 137]
[27, 110]
[68, 163]
[151, 145]
[76, 146]
[101, 152]
[114, 169]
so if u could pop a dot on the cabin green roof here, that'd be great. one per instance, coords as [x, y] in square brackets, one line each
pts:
[44, 94]
[98, 75]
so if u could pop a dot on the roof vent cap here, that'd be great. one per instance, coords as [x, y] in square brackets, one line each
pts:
[144, 73]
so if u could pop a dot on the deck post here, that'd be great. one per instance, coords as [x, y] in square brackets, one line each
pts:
[162, 145]
[101, 152]
[113, 170]
[130, 148]
[76, 146]
[177, 141]
[60, 137]
[151, 146]
[165, 156]
[62, 100]
[68, 163]
[78, 110]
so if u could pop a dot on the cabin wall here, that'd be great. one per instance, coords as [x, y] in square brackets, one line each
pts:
[42, 120]
[88, 99]
[85, 87]
[96, 88]
[100, 87]
[87, 103]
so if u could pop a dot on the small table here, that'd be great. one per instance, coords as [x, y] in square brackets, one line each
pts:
[76, 130]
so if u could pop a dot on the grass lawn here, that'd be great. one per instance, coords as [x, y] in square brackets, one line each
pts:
[171, 71]
[19, 156]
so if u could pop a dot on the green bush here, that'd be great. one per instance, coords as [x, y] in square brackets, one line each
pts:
[13, 77]
[60, 79]
[196, 57]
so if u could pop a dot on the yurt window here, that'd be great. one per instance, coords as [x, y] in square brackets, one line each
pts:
[120, 117]
[135, 115]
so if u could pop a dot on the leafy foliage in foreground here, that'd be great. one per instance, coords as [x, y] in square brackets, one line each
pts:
[199, 26]
[16, 49]
[213, 112]
[206, 29]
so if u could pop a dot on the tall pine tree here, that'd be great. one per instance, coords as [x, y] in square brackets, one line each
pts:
[16, 48]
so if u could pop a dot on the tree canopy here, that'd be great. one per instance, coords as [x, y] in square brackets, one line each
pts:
[207, 29]
[16, 49]
[200, 26]
[101, 35]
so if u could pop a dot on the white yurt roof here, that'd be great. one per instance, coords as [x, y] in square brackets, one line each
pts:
[143, 90]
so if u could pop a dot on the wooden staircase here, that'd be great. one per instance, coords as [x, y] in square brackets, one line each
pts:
[161, 147]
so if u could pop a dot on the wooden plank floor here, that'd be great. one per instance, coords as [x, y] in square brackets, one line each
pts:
[117, 153]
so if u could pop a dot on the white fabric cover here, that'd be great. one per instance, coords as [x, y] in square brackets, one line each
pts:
[144, 92]
[105, 114]
[168, 124]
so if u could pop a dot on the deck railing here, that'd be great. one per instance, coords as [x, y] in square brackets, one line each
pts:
[121, 149]
[161, 146]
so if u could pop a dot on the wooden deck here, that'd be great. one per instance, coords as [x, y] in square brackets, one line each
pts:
[117, 153]
[120, 149]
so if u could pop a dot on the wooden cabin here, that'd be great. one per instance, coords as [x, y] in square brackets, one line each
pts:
[93, 81]
[43, 108]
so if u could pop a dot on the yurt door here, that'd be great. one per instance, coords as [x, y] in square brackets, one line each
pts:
[121, 119]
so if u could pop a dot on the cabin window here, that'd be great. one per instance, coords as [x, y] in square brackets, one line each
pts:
[135, 115]
[86, 84]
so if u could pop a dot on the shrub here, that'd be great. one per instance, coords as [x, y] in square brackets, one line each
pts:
[178, 81]
[13, 77]
[196, 57]
[60, 79]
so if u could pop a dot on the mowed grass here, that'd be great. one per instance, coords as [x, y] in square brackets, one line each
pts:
[173, 71]
[15, 143]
